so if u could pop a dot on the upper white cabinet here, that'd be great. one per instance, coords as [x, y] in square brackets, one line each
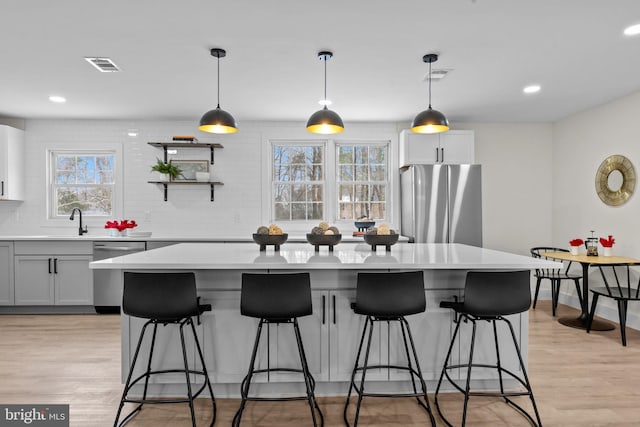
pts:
[454, 146]
[11, 163]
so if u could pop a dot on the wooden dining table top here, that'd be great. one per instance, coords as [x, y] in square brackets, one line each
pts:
[583, 258]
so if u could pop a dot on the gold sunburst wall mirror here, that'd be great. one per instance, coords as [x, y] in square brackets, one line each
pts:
[615, 180]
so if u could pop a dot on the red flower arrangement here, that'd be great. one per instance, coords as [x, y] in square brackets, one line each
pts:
[607, 243]
[122, 225]
[576, 242]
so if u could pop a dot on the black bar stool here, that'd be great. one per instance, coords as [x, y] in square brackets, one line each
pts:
[388, 297]
[277, 298]
[163, 298]
[489, 296]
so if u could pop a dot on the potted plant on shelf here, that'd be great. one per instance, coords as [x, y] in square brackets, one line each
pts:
[166, 169]
[574, 246]
[607, 244]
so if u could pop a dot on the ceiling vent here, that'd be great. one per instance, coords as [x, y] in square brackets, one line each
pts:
[437, 74]
[104, 65]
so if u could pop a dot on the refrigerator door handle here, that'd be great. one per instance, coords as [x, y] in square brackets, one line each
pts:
[442, 154]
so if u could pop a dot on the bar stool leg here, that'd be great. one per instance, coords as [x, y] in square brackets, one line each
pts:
[206, 374]
[246, 382]
[308, 379]
[498, 364]
[426, 405]
[186, 371]
[445, 366]
[467, 389]
[364, 372]
[148, 372]
[128, 382]
[526, 379]
[406, 349]
[353, 373]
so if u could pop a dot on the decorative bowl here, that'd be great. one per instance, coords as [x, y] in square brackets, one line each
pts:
[324, 240]
[363, 225]
[270, 239]
[381, 240]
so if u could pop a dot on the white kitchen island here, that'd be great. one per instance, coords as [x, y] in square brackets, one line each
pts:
[332, 333]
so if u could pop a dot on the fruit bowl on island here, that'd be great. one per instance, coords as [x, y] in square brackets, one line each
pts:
[271, 236]
[324, 235]
[381, 236]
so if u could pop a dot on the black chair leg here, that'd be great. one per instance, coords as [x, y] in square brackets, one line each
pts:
[555, 293]
[206, 374]
[622, 315]
[592, 313]
[498, 363]
[355, 367]
[246, 382]
[364, 372]
[308, 379]
[445, 367]
[535, 298]
[187, 373]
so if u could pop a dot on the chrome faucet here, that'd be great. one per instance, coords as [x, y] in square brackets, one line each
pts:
[81, 230]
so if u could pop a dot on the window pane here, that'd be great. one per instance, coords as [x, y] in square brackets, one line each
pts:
[377, 211]
[281, 173]
[362, 173]
[314, 173]
[65, 177]
[66, 163]
[315, 193]
[346, 193]
[346, 173]
[362, 193]
[378, 173]
[361, 209]
[378, 155]
[378, 193]
[345, 154]
[92, 200]
[282, 192]
[345, 211]
[315, 211]
[298, 211]
[299, 193]
[282, 211]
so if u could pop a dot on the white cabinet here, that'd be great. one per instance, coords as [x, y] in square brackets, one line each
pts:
[53, 273]
[11, 163]
[452, 147]
[6, 273]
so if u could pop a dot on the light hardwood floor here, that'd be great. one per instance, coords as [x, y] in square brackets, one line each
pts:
[578, 379]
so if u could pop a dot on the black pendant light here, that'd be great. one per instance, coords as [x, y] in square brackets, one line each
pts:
[325, 121]
[218, 120]
[430, 120]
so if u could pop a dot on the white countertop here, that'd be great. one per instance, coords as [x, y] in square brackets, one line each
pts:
[160, 238]
[232, 256]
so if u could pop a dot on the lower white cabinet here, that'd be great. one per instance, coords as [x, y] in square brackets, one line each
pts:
[53, 280]
[6, 273]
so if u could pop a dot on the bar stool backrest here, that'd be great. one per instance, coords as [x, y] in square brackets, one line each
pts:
[390, 294]
[497, 293]
[160, 296]
[276, 296]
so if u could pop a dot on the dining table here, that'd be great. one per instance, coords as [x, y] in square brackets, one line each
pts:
[587, 261]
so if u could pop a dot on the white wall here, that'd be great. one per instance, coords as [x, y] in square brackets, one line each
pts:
[580, 144]
[516, 197]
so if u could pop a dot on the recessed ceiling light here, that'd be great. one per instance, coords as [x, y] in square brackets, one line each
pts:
[531, 89]
[58, 99]
[632, 30]
[325, 102]
[132, 133]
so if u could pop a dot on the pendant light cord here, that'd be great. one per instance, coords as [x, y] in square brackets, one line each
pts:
[325, 81]
[429, 85]
[219, 84]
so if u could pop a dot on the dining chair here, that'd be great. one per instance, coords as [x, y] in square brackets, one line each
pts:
[622, 292]
[554, 275]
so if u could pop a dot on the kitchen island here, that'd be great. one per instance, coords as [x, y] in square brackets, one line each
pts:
[331, 334]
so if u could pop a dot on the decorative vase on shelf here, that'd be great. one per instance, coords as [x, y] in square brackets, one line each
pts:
[574, 250]
[608, 251]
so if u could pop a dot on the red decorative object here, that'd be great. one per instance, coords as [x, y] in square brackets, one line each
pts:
[576, 242]
[121, 225]
[607, 243]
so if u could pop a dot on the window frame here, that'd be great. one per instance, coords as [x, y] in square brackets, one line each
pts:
[81, 149]
[383, 135]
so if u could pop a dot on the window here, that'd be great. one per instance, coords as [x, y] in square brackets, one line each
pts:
[333, 180]
[84, 180]
[362, 181]
[298, 181]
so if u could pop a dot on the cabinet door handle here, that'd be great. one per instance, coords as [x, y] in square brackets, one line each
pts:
[437, 155]
[55, 266]
[442, 154]
[333, 302]
[49, 265]
[2, 193]
[324, 310]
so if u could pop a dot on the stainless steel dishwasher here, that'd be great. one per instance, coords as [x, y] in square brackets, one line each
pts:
[107, 284]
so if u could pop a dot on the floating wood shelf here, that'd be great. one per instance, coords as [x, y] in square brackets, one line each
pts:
[166, 185]
[165, 145]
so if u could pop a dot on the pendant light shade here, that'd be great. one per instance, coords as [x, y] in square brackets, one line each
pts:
[430, 120]
[218, 120]
[325, 121]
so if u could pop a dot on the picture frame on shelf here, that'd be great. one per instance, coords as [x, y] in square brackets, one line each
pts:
[189, 168]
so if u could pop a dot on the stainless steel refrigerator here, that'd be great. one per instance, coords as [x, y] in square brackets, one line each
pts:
[442, 204]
